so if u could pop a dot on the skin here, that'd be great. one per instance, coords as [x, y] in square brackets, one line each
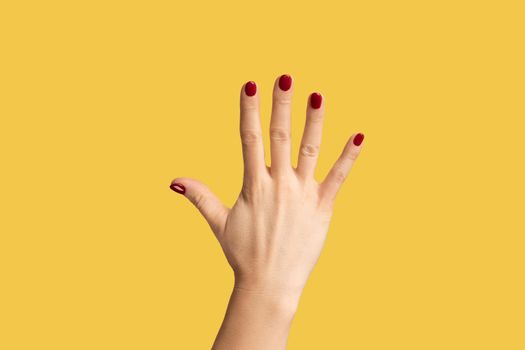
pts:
[274, 233]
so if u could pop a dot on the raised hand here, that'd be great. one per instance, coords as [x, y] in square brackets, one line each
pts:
[274, 233]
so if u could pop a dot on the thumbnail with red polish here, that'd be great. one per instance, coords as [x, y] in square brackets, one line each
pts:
[177, 187]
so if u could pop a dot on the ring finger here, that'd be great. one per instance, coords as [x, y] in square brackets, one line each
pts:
[311, 141]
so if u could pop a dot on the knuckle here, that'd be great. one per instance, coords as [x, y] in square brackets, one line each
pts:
[339, 176]
[309, 150]
[352, 154]
[252, 189]
[250, 137]
[315, 117]
[279, 135]
[248, 193]
[280, 100]
[200, 201]
[286, 183]
[284, 188]
[248, 106]
[326, 208]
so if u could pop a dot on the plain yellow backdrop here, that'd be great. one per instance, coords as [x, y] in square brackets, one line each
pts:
[102, 103]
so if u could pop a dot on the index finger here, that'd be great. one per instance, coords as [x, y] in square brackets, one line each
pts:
[250, 131]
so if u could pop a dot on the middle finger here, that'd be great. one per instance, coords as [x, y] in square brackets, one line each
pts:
[280, 134]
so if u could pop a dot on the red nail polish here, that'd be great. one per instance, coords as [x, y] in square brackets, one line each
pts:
[250, 88]
[285, 82]
[177, 187]
[358, 139]
[315, 100]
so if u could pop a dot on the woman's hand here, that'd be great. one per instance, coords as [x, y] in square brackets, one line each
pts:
[273, 235]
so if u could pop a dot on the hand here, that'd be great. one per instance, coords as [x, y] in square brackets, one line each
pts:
[273, 235]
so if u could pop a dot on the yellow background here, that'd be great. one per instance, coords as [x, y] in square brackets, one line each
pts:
[102, 103]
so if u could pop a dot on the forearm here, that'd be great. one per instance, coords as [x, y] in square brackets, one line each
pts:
[256, 321]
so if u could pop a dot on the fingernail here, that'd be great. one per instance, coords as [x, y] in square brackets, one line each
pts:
[177, 187]
[285, 81]
[250, 88]
[358, 139]
[315, 100]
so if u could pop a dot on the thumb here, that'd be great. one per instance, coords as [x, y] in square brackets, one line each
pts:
[213, 210]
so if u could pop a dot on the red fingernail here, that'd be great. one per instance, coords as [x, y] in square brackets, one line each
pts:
[358, 139]
[177, 187]
[285, 81]
[315, 100]
[250, 88]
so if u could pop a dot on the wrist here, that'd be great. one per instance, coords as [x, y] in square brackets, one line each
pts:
[256, 319]
[278, 303]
